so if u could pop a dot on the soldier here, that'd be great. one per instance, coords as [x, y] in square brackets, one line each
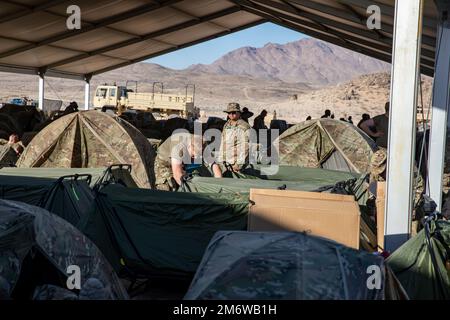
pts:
[234, 147]
[381, 123]
[327, 114]
[246, 114]
[258, 123]
[173, 156]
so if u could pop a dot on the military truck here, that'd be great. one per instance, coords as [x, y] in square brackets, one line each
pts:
[122, 98]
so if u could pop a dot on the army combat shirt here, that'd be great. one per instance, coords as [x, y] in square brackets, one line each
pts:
[235, 143]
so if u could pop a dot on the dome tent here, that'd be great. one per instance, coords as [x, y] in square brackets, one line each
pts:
[36, 249]
[326, 143]
[288, 265]
[91, 139]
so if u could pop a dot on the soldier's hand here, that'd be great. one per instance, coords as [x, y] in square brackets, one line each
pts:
[236, 168]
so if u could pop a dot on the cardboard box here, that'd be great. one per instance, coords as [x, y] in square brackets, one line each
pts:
[332, 216]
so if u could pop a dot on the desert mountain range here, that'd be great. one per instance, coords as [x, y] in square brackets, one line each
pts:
[297, 79]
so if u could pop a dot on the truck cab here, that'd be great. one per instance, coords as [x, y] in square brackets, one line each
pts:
[110, 96]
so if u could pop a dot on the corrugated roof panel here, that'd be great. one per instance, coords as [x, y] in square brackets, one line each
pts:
[236, 19]
[38, 57]
[93, 40]
[89, 64]
[33, 27]
[8, 44]
[191, 34]
[94, 10]
[152, 21]
[139, 49]
[8, 9]
[203, 7]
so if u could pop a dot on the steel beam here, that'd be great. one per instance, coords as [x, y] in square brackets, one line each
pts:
[402, 122]
[441, 106]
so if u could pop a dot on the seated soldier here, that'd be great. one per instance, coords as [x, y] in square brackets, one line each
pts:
[173, 158]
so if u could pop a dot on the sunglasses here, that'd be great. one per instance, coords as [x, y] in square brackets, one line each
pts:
[232, 112]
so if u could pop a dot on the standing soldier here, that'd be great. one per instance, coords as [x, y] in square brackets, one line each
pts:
[234, 149]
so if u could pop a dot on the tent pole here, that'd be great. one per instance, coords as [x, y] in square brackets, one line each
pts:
[402, 121]
[41, 74]
[441, 104]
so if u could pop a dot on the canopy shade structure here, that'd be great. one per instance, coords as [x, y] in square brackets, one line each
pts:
[34, 37]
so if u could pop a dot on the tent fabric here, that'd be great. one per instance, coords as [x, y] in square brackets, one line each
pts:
[91, 139]
[24, 228]
[286, 265]
[115, 173]
[287, 177]
[70, 198]
[149, 232]
[413, 264]
[326, 143]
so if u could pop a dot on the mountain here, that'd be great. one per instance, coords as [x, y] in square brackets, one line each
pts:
[307, 60]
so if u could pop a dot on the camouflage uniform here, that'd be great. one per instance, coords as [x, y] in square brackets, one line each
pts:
[165, 153]
[378, 172]
[378, 165]
[235, 144]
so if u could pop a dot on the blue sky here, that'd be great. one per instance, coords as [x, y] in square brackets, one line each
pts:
[210, 51]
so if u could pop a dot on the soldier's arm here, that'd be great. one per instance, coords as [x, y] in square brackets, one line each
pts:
[177, 170]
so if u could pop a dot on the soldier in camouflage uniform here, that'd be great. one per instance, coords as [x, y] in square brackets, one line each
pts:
[172, 157]
[234, 149]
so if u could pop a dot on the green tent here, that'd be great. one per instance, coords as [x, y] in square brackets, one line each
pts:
[289, 178]
[69, 197]
[422, 264]
[119, 173]
[146, 233]
[36, 249]
[287, 265]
